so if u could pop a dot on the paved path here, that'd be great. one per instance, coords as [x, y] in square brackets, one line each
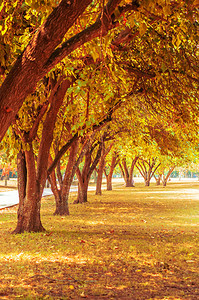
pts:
[11, 198]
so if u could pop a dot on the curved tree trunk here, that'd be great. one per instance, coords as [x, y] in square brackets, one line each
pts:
[157, 179]
[133, 164]
[165, 178]
[147, 181]
[68, 178]
[62, 194]
[32, 64]
[125, 173]
[85, 175]
[127, 178]
[29, 207]
[109, 176]
[59, 207]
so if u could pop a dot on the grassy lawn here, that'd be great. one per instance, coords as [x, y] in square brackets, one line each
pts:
[130, 243]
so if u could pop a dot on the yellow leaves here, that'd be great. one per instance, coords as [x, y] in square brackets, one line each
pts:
[142, 28]
[4, 28]
[1, 6]
[166, 10]
[177, 39]
[71, 287]
[196, 3]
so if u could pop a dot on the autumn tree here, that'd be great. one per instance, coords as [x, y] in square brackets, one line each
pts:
[152, 50]
[48, 43]
[33, 174]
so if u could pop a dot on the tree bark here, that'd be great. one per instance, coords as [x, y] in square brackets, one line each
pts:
[165, 178]
[147, 174]
[62, 207]
[84, 176]
[100, 173]
[83, 179]
[29, 67]
[29, 207]
[133, 164]
[127, 178]
[109, 176]
[43, 53]
[29, 195]
[158, 179]
[128, 174]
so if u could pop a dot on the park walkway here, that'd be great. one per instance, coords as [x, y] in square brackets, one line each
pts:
[11, 198]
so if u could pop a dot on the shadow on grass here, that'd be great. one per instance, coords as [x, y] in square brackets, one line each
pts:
[127, 244]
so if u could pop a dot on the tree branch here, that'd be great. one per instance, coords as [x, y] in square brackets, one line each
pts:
[103, 24]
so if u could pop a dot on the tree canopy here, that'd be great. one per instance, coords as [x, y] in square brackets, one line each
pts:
[67, 68]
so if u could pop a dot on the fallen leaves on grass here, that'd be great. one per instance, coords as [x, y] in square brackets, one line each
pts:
[132, 247]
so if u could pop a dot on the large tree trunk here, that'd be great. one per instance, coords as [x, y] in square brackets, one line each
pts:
[29, 195]
[29, 206]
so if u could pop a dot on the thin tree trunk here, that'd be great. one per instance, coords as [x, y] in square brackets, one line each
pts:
[56, 191]
[165, 178]
[128, 176]
[100, 173]
[68, 178]
[84, 176]
[158, 179]
[132, 170]
[109, 176]
[99, 181]
[22, 175]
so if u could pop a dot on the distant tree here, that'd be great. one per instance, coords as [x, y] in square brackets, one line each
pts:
[109, 169]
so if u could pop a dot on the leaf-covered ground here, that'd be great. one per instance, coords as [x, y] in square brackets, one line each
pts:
[130, 243]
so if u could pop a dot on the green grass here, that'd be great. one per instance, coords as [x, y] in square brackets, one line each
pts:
[130, 243]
